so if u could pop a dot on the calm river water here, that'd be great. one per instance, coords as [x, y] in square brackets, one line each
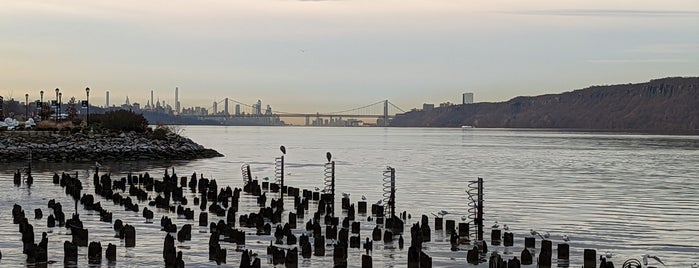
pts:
[624, 193]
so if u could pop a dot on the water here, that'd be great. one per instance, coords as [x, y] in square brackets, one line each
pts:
[625, 193]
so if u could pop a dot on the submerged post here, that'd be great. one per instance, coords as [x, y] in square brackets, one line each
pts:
[281, 168]
[479, 216]
[330, 181]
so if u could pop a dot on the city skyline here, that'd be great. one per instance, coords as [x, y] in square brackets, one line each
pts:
[309, 56]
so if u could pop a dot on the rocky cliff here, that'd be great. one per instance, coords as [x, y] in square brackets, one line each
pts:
[667, 105]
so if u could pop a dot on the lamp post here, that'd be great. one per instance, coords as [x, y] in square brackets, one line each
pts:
[60, 95]
[26, 106]
[56, 117]
[41, 103]
[87, 117]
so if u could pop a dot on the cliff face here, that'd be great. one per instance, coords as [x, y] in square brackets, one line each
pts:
[662, 105]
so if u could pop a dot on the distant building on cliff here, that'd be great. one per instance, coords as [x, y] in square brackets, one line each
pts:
[467, 98]
[427, 106]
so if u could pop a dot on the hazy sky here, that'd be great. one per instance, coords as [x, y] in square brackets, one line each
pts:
[308, 56]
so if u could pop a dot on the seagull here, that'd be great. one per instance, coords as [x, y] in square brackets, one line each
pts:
[646, 256]
[464, 218]
[496, 225]
[441, 213]
[544, 236]
[505, 227]
[97, 164]
[363, 198]
[566, 238]
[695, 265]
[265, 178]
[380, 201]
[345, 195]
[317, 189]
[608, 255]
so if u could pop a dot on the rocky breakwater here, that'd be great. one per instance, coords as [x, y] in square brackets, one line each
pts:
[80, 147]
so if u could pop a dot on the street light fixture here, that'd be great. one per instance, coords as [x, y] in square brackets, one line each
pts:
[26, 106]
[60, 95]
[87, 117]
[41, 107]
[56, 118]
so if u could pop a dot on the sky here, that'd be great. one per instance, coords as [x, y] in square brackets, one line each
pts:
[325, 56]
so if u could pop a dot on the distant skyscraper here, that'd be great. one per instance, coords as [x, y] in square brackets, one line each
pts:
[237, 109]
[467, 98]
[107, 98]
[258, 108]
[215, 107]
[152, 104]
[225, 107]
[177, 100]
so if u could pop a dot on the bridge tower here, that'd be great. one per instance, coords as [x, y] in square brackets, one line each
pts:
[225, 107]
[385, 113]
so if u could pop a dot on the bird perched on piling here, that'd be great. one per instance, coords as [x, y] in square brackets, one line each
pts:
[363, 198]
[440, 213]
[464, 218]
[496, 225]
[345, 195]
[566, 238]
[545, 235]
[505, 227]
[646, 257]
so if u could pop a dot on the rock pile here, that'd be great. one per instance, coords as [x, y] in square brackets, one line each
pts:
[83, 148]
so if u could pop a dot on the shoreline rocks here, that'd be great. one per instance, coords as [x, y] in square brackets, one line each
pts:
[78, 147]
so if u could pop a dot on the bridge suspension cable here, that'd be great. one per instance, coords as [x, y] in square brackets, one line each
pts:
[363, 110]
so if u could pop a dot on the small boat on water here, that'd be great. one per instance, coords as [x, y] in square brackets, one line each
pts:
[466, 126]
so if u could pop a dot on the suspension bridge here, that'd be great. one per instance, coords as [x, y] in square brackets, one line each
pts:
[254, 114]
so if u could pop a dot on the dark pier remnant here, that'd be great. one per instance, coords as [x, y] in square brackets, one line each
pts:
[563, 254]
[475, 206]
[94, 253]
[495, 236]
[527, 257]
[129, 236]
[329, 182]
[279, 173]
[590, 258]
[70, 253]
[393, 222]
[366, 261]
[546, 254]
[111, 253]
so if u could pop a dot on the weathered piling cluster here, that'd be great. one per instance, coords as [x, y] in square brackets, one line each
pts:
[321, 233]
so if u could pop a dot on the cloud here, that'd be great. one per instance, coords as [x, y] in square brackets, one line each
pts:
[611, 12]
[625, 61]
[667, 48]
